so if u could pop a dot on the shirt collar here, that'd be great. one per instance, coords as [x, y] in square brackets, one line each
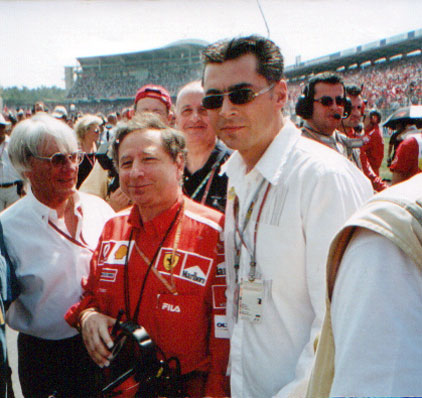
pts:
[271, 163]
[159, 224]
[47, 213]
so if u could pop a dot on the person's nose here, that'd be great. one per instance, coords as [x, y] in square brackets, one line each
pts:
[138, 170]
[227, 108]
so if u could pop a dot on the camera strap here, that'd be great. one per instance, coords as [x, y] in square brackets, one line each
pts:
[150, 265]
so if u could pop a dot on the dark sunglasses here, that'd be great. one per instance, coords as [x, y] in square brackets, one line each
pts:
[328, 101]
[238, 96]
[59, 159]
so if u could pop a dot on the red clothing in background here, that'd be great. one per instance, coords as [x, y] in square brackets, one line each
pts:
[406, 159]
[374, 148]
[377, 183]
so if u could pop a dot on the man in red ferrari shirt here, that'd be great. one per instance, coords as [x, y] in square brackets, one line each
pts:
[161, 263]
[408, 159]
[374, 143]
[349, 125]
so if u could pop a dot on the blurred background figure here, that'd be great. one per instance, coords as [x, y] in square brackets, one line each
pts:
[87, 130]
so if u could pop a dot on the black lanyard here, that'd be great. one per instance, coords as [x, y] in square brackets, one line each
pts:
[126, 273]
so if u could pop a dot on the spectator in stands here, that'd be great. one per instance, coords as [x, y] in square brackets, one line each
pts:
[374, 142]
[60, 112]
[87, 130]
[407, 161]
[206, 154]
[348, 125]
[50, 235]
[39, 107]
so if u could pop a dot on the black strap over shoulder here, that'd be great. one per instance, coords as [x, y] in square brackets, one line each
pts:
[12, 285]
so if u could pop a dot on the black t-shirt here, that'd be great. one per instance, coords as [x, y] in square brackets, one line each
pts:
[85, 168]
[196, 184]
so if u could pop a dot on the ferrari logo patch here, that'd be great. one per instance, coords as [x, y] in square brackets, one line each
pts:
[170, 261]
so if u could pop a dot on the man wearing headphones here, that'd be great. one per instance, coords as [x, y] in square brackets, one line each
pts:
[322, 106]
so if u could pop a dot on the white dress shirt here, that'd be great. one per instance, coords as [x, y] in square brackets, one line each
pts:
[313, 191]
[49, 267]
[376, 316]
[8, 173]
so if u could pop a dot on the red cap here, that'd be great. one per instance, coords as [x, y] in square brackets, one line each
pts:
[153, 91]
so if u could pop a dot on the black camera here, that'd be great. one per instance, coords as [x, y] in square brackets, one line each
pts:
[135, 355]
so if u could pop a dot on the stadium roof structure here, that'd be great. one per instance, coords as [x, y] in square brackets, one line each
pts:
[182, 49]
[385, 48]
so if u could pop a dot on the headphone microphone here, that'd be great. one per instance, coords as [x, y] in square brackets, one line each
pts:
[337, 116]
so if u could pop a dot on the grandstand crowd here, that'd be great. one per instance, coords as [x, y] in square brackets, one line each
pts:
[115, 84]
[386, 86]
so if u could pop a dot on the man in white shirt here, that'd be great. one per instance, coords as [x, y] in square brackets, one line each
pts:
[50, 236]
[287, 197]
[10, 181]
[371, 340]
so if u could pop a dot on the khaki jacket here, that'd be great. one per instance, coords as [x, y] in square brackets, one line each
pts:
[397, 215]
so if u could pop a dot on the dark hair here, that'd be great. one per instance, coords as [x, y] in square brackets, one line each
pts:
[353, 90]
[324, 77]
[374, 112]
[173, 140]
[270, 59]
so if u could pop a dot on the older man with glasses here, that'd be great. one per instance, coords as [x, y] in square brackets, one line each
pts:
[50, 235]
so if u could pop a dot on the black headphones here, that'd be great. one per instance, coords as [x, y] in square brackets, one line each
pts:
[305, 102]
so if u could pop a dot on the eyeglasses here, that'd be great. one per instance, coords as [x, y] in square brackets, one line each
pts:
[328, 101]
[59, 159]
[238, 96]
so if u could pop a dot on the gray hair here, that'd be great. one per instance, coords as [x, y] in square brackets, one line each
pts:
[29, 136]
[84, 123]
[173, 140]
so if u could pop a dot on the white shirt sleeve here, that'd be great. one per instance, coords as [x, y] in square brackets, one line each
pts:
[377, 320]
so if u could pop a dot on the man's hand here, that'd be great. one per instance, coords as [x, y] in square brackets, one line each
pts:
[95, 333]
[118, 200]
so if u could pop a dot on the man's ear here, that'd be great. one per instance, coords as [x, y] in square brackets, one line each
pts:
[180, 162]
[280, 93]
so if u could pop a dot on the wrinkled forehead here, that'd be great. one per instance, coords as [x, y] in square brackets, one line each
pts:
[51, 144]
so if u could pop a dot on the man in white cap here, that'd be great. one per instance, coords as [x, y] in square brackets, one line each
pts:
[10, 181]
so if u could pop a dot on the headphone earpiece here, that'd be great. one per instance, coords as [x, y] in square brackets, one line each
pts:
[305, 104]
[347, 107]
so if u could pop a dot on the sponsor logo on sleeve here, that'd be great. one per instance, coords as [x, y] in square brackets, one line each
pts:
[219, 296]
[221, 269]
[221, 330]
[108, 275]
[113, 252]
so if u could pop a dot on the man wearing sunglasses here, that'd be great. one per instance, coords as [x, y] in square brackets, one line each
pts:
[50, 235]
[322, 107]
[287, 196]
